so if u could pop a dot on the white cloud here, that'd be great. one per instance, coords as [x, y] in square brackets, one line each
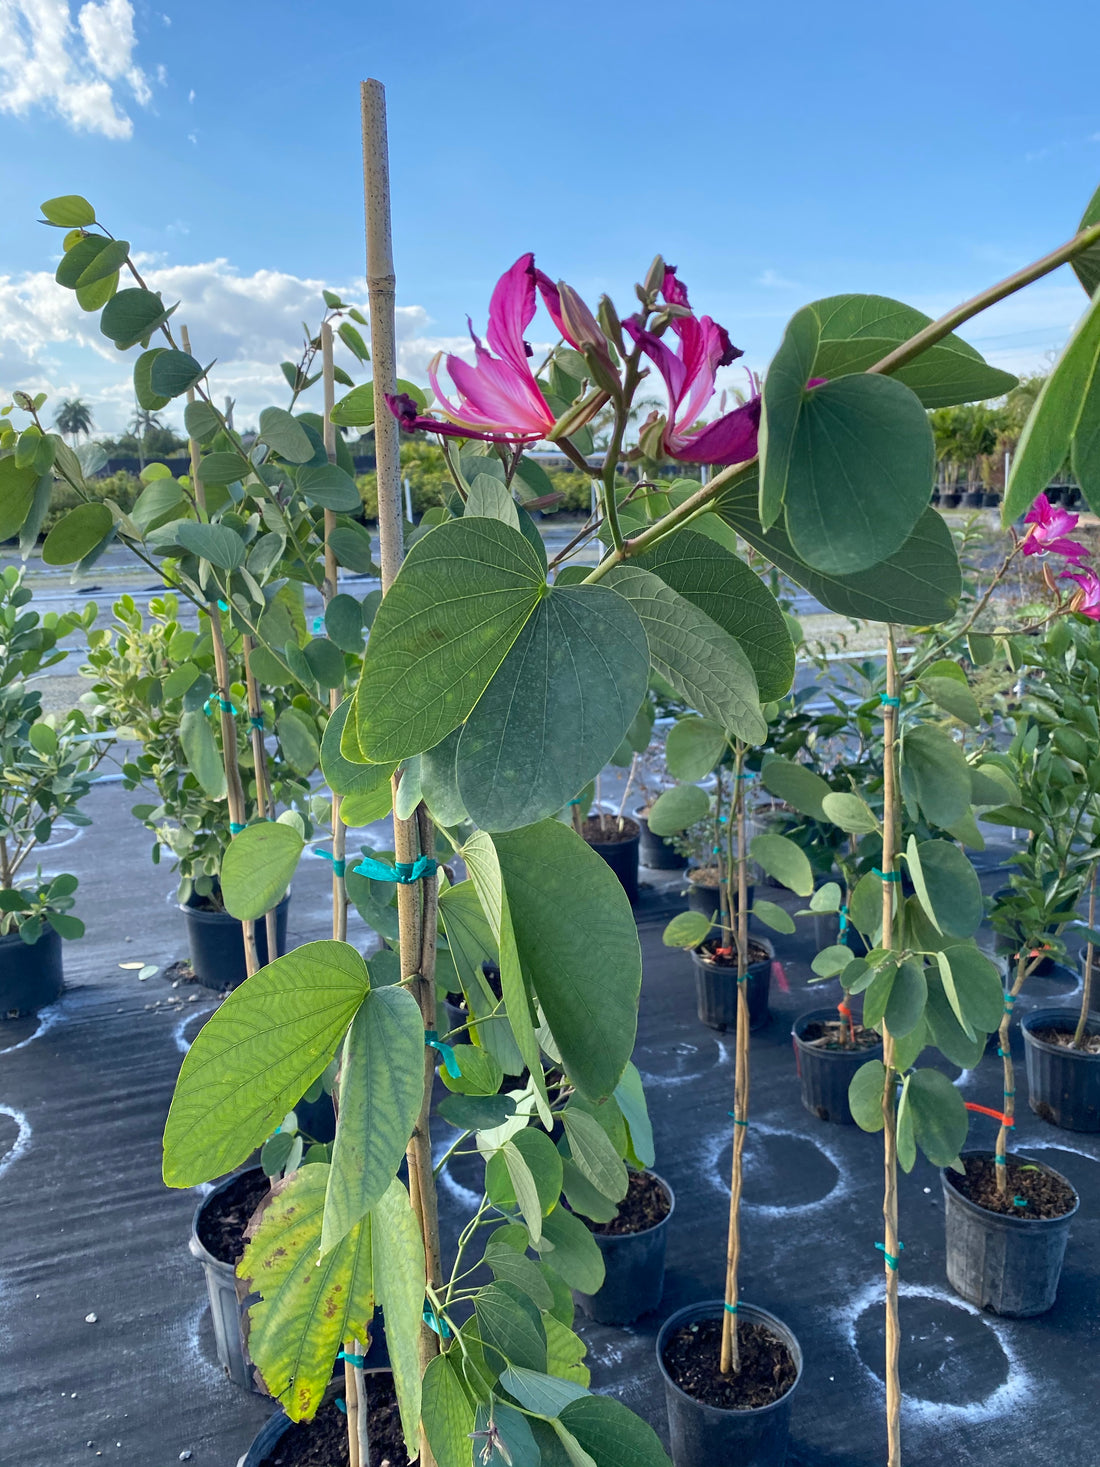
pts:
[248, 323]
[774, 281]
[80, 71]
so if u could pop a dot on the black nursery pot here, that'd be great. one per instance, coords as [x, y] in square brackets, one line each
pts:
[716, 989]
[1008, 1265]
[634, 1265]
[622, 857]
[706, 1436]
[30, 973]
[1063, 1084]
[704, 899]
[825, 1074]
[225, 1307]
[655, 852]
[216, 944]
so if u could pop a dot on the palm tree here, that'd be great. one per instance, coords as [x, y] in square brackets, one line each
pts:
[73, 418]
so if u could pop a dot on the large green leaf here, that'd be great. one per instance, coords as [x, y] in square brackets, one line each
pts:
[171, 373]
[865, 1095]
[699, 658]
[611, 1434]
[939, 1116]
[256, 1056]
[570, 1251]
[556, 709]
[946, 885]
[76, 533]
[796, 786]
[306, 1309]
[491, 497]
[329, 487]
[381, 1089]
[472, 943]
[448, 1415]
[257, 867]
[726, 590]
[398, 1261]
[548, 871]
[917, 585]
[282, 432]
[693, 747]
[945, 683]
[68, 211]
[677, 809]
[595, 1157]
[1055, 418]
[856, 331]
[908, 996]
[784, 860]
[483, 864]
[944, 1029]
[17, 486]
[1087, 264]
[298, 741]
[509, 1322]
[860, 475]
[218, 544]
[132, 316]
[203, 757]
[977, 984]
[935, 775]
[439, 782]
[630, 1098]
[443, 629]
[784, 392]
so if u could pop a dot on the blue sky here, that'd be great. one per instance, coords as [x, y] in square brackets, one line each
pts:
[775, 154]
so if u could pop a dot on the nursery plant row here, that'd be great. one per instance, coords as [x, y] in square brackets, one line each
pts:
[474, 701]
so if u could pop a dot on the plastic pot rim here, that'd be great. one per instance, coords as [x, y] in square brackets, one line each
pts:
[644, 1232]
[821, 1015]
[1039, 1018]
[198, 1248]
[199, 914]
[713, 1309]
[699, 957]
[1006, 1220]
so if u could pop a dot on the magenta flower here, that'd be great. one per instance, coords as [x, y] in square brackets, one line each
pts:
[1048, 530]
[499, 400]
[689, 372]
[1087, 599]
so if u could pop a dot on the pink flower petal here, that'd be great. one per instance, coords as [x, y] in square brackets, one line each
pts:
[731, 439]
[511, 310]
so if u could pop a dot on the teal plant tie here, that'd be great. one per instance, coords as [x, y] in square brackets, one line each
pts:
[1009, 1094]
[403, 872]
[731, 1308]
[1019, 1201]
[1000, 1160]
[338, 866]
[318, 625]
[1002, 1053]
[1010, 999]
[341, 1405]
[886, 875]
[358, 1361]
[433, 1321]
[734, 1119]
[888, 702]
[222, 605]
[891, 1261]
[216, 700]
[234, 828]
[257, 721]
[433, 1041]
[749, 774]
[844, 924]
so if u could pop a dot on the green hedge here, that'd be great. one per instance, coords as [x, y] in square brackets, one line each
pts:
[122, 487]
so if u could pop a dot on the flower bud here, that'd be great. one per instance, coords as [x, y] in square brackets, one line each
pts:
[655, 278]
[577, 416]
[608, 318]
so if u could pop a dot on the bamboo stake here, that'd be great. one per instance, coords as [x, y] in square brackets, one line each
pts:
[331, 586]
[356, 1416]
[417, 935]
[891, 1247]
[234, 790]
[265, 803]
[731, 1354]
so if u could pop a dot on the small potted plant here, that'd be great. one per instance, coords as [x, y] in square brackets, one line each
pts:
[47, 763]
[154, 683]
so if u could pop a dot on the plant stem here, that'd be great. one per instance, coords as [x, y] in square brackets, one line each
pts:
[731, 1355]
[331, 586]
[937, 330]
[234, 790]
[265, 803]
[1086, 991]
[889, 1090]
[417, 929]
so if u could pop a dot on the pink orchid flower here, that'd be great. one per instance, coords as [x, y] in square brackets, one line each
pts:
[689, 373]
[1087, 599]
[499, 400]
[1048, 531]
